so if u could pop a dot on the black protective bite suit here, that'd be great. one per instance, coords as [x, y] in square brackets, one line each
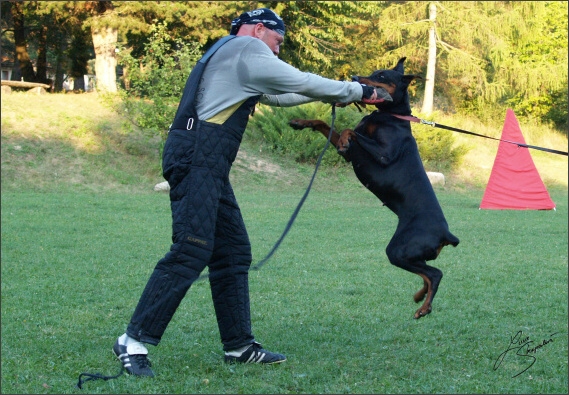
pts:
[207, 226]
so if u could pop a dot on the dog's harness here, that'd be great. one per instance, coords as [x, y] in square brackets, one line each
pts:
[412, 118]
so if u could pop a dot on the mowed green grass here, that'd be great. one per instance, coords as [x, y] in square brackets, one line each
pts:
[74, 265]
[82, 231]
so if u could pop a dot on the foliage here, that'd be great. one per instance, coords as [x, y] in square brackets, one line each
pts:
[269, 129]
[325, 37]
[437, 147]
[490, 54]
[153, 83]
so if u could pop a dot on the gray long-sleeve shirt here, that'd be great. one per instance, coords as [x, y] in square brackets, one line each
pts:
[246, 67]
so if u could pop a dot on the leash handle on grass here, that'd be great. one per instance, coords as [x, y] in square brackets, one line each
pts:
[96, 376]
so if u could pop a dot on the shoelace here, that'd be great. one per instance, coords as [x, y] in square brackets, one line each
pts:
[141, 360]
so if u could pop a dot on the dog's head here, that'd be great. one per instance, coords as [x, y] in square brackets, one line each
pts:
[396, 83]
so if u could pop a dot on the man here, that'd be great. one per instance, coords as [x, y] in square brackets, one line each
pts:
[208, 229]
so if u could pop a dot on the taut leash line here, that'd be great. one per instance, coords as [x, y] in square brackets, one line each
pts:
[436, 125]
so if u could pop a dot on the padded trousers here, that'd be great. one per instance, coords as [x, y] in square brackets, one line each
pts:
[207, 230]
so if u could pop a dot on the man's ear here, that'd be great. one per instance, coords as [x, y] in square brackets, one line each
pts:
[259, 30]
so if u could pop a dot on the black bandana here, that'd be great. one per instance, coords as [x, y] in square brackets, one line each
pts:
[262, 15]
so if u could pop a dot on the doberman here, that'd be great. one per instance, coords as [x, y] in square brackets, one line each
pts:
[386, 160]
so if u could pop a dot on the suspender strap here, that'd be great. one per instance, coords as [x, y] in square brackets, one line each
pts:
[186, 116]
[215, 47]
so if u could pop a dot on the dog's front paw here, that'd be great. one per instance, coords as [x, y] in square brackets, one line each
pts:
[344, 142]
[343, 148]
[299, 124]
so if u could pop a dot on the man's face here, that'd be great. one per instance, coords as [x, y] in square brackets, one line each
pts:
[272, 39]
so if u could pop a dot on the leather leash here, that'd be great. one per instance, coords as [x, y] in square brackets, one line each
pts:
[298, 207]
[99, 376]
[412, 118]
[301, 202]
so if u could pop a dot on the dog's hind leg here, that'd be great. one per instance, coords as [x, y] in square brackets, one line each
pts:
[431, 280]
[420, 294]
[431, 275]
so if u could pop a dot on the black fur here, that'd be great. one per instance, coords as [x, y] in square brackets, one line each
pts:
[386, 160]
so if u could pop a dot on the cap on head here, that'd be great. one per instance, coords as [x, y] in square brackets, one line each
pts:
[261, 15]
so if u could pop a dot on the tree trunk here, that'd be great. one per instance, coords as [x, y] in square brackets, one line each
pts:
[104, 42]
[431, 64]
[41, 73]
[59, 60]
[80, 58]
[26, 66]
[79, 84]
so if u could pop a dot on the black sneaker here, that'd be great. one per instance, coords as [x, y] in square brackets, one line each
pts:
[133, 357]
[254, 354]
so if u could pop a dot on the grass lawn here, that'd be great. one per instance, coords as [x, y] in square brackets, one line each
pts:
[82, 231]
[74, 265]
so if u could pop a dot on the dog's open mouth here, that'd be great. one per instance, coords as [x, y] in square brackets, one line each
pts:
[389, 88]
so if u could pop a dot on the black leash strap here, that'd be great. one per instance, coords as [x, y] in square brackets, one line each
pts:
[301, 202]
[298, 207]
[436, 125]
[96, 376]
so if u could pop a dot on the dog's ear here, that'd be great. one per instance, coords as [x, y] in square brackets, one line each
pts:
[399, 66]
[407, 79]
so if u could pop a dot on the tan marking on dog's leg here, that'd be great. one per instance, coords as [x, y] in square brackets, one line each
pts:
[316, 125]
[420, 294]
[343, 142]
[426, 307]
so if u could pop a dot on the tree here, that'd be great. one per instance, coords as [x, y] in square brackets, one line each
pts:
[489, 53]
[104, 32]
[204, 22]
[431, 63]
[156, 80]
[44, 32]
[328, 37]
[79, 54]
[26, 68]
